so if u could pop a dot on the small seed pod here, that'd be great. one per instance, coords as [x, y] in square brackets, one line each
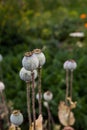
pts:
[16, 118]
[2, 86]
[30, 61]
[66, 65]
[48, 96]
[70, 65]
[45, 104]
[37, 96]
[26, 75]
[40, 56]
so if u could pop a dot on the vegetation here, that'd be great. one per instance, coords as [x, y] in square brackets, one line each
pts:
[26, 25]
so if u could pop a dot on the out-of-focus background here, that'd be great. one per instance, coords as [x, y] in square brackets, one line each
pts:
[47, 25]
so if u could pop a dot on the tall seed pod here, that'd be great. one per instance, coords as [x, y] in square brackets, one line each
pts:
[72, 67]
[30, 62]
[69, 66]
[48, 97]
[26, 76]
[16, 118]
[41, 57]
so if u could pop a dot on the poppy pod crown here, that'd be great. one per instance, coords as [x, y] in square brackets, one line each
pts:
[37, 51]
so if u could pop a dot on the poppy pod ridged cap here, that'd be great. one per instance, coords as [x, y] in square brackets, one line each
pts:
[26, 75]
[40, 55]
[16, 118]
[70, 65]
[2, 86]
[48, 96]
[30, 61]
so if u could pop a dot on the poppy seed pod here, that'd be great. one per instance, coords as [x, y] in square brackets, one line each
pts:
[70, 65]
[16, 118]
[26, 75]
[66, 65]
[45, 104]
[37, 96]
[40, 56]
[2, 86]
[48, 96]
[30, 61]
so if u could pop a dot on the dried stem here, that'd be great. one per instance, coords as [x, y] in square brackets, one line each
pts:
[49, 118]
[39, 90]
[28, 102]
[16, 128]
[5, 108]
[71, 81]
[33, 101]
[67, 85]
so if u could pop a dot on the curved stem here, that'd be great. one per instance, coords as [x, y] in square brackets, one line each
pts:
[28, 102]
[39, 90]
[33, 101]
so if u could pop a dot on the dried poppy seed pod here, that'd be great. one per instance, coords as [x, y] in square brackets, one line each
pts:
[66, 65]
[2, 86]
[16, 118]
[37, 96]
[26, 75]
[30, 61]
[40, 56]
[48, 96]
[45, 104]
[70, 65]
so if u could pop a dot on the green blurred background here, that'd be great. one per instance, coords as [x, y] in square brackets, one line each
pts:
[29, 24]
